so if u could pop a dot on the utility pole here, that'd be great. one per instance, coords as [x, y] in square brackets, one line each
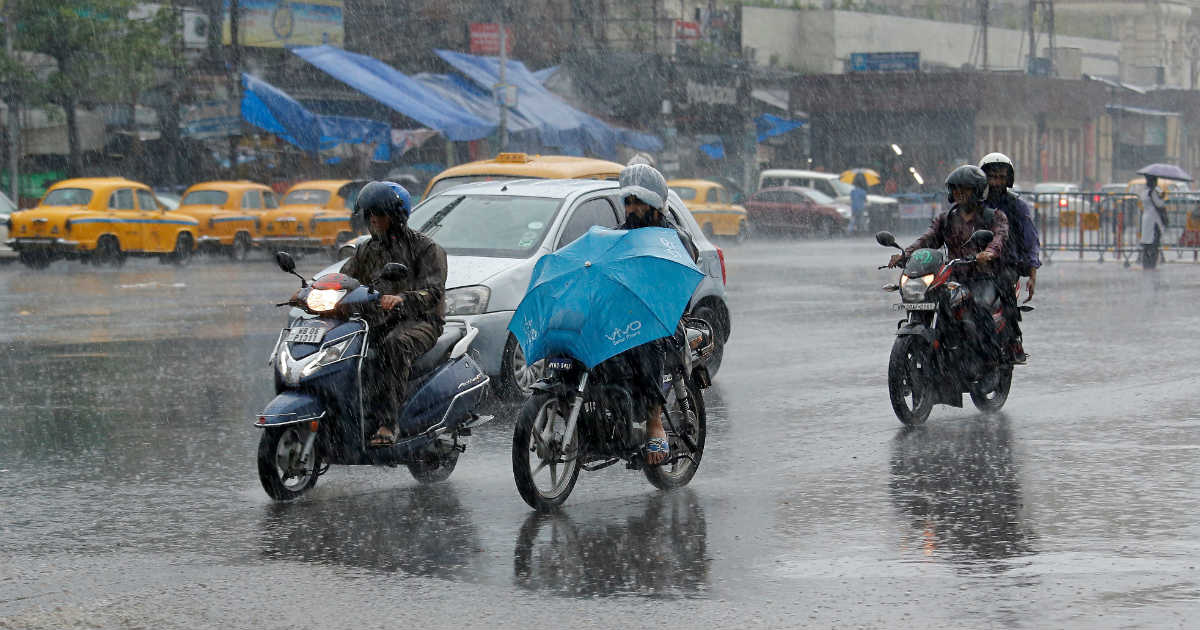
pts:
[14, 121]
[234, 83]
[983, 24]
[503, 83]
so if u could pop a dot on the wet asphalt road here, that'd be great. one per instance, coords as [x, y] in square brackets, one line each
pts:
[130, 498]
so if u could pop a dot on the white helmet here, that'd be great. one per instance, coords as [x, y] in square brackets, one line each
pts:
[999, 158]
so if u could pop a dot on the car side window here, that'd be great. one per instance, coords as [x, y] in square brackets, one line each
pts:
[121, 200]
[252, 200]
[591, 212]
[269, 200]
[146, 200]
[827, 188]
[765, 197]
[793, 198]
[722, 195]
[712, 196]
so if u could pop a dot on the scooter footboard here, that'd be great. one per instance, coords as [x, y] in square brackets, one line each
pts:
[289, 408]
[447, 398]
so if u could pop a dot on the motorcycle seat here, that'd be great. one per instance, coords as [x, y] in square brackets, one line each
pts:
[436, 355]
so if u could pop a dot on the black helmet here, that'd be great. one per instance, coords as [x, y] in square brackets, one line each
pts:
[384, 198]
[967, 176]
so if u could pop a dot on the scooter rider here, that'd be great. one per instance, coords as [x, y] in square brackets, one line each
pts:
[967, 187]
[1020, 256]
[644, 191]
[414, 308]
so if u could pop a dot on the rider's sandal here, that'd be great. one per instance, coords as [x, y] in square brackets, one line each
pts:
[382, 440]
[658, 445]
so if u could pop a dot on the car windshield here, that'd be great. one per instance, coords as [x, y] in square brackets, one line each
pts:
[685, 193]
[204, 198]
[307, 197]
[841, 187]
[450, 182]
[818, 196]
[68, 197]
[498, 226]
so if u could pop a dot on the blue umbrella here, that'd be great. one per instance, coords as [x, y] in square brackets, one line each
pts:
[606, 292]
[1165, 171]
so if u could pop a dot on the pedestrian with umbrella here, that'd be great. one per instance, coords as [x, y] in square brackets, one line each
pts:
[1154, 210]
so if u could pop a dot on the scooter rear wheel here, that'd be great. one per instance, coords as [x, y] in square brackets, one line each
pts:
[908, 385]
[284, 474]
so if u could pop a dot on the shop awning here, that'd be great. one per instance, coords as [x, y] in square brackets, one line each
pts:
[271, 109]
[398, 91]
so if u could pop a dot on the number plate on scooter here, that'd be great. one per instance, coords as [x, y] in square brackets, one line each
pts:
[915, 306]
[305, 334]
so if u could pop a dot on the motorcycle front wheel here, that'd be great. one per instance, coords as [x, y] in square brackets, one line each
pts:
[284, 473]
[686, 418]
[908, 380]
[543, 473]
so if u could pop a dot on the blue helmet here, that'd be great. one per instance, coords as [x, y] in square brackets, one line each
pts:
[384, 198]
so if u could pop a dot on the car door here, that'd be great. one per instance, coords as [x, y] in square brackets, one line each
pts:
[596, 211]
[155, 233]
[128, 222]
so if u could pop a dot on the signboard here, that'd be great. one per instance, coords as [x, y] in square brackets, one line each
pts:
[685, 31]
[485, 38]
[885, 62]
[285, 23]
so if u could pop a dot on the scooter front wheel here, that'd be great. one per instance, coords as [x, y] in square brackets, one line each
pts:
[909, 377]
[545, 461]
[282, 468]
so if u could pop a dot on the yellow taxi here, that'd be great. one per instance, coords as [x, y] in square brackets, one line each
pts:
[100, 220]
[713, 208]
[523, 166]
[313, 215]
[229, 214]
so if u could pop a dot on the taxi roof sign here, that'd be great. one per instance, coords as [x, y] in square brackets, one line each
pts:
[513, 158]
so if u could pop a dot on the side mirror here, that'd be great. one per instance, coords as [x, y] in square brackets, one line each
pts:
[285, 262]
[981, 238]
[393, 272]
[886, 239]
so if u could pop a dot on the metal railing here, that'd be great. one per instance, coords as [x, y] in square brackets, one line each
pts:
[1100, 225]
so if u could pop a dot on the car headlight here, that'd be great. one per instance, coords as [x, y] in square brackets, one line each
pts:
[467, 300]
[913, 289]
[326, 356]
[321, 300]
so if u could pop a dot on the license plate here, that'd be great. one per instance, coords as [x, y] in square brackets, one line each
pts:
[559, 364]
[36, 241]
[305, 334]
[915, 306]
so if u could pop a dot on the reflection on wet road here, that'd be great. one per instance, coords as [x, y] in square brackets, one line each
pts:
[131, 498]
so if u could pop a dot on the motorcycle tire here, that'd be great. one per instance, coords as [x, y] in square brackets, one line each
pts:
[908, 351]
[288, 439]
[680, 472]
[538, 409]
[425, 472]
[993, 401]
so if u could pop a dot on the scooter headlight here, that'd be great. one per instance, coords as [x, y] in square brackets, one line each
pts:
[327, 355]
[913, 289]
[321, 300]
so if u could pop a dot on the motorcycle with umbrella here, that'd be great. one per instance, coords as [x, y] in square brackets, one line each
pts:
[607, 292]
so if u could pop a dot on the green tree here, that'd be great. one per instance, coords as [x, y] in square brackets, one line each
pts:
[100, 53]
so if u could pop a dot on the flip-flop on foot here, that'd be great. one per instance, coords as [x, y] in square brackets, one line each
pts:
[658, 445]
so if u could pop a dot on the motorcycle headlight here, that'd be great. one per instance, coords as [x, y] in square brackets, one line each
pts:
[321, 300]
[467, 300]
[326, 356]
[913, 289]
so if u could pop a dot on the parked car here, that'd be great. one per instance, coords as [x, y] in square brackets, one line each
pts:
[7, 208]
[712, 208]
[510, 166]
[792, 209]
[495, 232]
[230, 214]
[1060, 196]
[313, 216]
[882, 212]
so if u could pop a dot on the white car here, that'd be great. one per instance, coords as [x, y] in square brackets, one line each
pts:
[7, 208]
[495, 232]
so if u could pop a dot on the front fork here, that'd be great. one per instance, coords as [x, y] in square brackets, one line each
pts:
[572, 422]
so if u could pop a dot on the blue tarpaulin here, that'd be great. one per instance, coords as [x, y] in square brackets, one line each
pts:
[399, 92]
[714, 150]
[272, 110]
[559, 125]
[769, 126]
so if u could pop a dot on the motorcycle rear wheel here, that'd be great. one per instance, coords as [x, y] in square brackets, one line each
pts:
[907, 372]
[541, 414]
[280, 469]
[691, 420]
[992, 401]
